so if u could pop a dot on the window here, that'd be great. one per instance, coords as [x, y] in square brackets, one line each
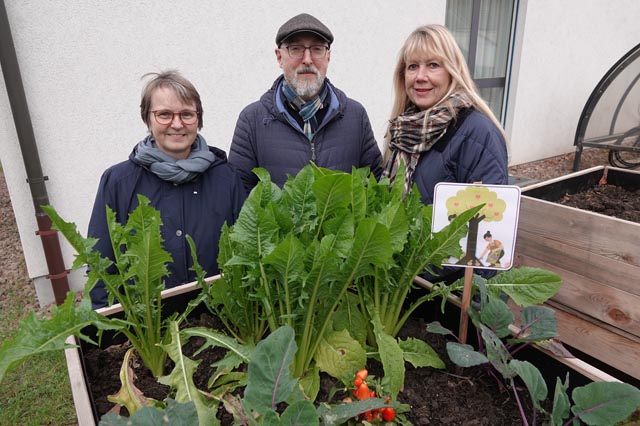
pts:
[482, 29]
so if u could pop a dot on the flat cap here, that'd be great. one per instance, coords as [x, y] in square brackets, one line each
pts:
[303, 23]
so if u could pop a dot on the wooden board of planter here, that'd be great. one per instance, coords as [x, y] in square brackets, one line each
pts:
[598, 258]
[79, 386]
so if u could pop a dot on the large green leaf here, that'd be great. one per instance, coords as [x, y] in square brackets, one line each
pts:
[287, 261]
[301, 200]
[465, 355]
[358, 196]
[395, 219]
[342, 227]
[540, 323]
[254, 230]
[36, 335]
[333, 192]
[419, 354]
[349, 317]
[181, 379]
[300, 413]
[340, 355]
[533, 379]
[215, 339]
[371, 247]
[497, 316]
[605, 403]
[527, 286]
[143, 240]
[497, 353]
[269, 379]
[392, 359]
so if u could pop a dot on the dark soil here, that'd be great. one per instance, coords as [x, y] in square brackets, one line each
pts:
[436, 397]
[609, 200]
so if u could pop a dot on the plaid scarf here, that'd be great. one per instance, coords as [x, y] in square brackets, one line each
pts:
[307, 109]
[415, 132]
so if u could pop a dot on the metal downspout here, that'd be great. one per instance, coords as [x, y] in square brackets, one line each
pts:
[19, 108]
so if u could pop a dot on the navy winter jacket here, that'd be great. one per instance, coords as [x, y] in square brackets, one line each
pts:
[471, 151]
[197, 208]
[267, 136]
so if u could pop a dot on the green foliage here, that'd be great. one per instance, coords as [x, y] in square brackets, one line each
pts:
[324, 254]
[35, 336]
[136, 283]
[292, 255]
[271, 383]
[175, 414]
[599, 403]
[605, 403]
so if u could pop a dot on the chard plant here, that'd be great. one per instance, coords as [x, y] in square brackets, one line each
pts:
[315, 255]
[135, 279]
[294, 252]
[598, 403]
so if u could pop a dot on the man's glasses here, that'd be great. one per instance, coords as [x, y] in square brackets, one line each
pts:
[165, 117]
[296, 51]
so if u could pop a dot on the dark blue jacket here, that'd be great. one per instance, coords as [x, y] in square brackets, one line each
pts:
[197, 208]
[267, 136]
[471, 151]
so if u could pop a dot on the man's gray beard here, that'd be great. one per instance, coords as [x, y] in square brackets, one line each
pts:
[306, 90]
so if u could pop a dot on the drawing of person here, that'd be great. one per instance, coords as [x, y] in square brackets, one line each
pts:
[494, 250]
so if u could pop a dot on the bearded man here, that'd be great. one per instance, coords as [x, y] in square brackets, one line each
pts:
[303, 117]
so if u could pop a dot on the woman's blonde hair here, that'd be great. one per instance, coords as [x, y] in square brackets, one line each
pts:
[437, 42]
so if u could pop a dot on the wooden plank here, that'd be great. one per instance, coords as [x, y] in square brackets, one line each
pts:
[602, 235]
[611, 348]
[184, 288]
[605, 303]
[603, 269]
[79, 391]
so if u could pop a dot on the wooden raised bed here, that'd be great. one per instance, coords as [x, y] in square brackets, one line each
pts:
[79, 387]
[598, 258]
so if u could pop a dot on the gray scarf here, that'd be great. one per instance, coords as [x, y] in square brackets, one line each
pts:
[168, 168]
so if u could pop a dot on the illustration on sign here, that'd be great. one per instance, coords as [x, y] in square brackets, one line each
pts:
[490, 242]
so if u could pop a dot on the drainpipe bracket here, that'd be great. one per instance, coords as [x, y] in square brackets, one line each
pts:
[58, 276]
[46, 232]
[37, 179]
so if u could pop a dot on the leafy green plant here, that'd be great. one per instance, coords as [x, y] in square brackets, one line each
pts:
[140, 268]
[327, 242]
[293, 254]
[597, 403]
[271, 395]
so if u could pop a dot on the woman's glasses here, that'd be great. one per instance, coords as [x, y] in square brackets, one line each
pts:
[165, 117]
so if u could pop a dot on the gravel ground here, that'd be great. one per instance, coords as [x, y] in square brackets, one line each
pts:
[13, 272]
[560, 165]
[14, 280]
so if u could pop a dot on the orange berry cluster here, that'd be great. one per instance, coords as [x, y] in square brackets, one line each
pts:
[361, 391]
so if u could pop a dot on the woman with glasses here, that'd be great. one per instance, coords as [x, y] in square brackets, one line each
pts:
[440, 127]
[189, 182]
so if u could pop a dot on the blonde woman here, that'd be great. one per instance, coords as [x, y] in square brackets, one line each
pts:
[439, 126]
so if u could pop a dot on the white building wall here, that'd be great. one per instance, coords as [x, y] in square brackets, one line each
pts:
[564, 49]
[81, 63]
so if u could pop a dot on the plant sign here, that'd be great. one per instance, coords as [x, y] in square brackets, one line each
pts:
[490, 242]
